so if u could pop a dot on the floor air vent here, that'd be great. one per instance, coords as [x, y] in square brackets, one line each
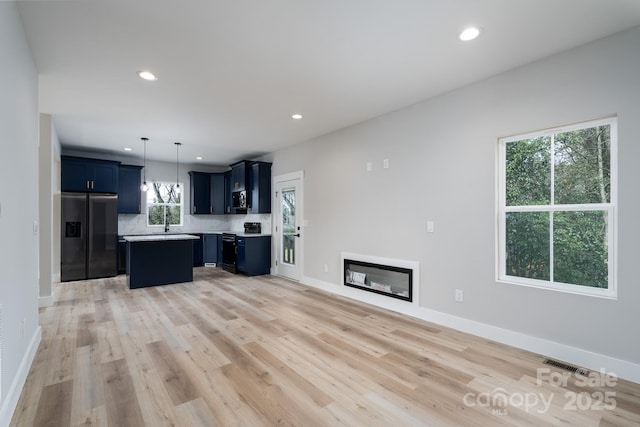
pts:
[566, 367]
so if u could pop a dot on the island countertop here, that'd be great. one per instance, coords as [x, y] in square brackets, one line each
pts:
[160, 237]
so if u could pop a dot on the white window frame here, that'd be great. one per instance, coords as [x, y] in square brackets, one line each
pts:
[610, 208]
[181, 204]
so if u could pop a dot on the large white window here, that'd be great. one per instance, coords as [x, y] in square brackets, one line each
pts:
[164, 204]
[557, 208]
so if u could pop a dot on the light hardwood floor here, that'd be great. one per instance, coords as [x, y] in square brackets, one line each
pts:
[227, 350]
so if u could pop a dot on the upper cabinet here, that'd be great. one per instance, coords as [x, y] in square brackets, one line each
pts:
[260, 179]
[212, 193]
[200, 191]
[129, 194]
[207, 193]
[218, 194]
[90, 175]
[240, 175]
[228, 189]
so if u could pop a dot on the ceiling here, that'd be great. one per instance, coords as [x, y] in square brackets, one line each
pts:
[232, 72]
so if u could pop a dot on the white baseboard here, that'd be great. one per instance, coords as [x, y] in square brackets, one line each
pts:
[10, 400]
[621, 368]
[46, 301]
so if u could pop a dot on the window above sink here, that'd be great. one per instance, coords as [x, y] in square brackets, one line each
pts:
[164, 204]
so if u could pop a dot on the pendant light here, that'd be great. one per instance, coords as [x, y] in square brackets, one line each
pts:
[144, 187]
[178, 144]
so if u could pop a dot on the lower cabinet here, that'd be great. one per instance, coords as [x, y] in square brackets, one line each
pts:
[122, 256]
[254, 255]
[198, 259]
[241, 255]
[210, 244]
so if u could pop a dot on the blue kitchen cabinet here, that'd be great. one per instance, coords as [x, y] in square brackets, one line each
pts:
[260, 179]
[241, 255]
[207, 193]
[89, 175]
[254, 255]
[217, 193]
[198, 251]
[129, 194]
[228, 201]
[122, 255]
[159, 262]
[240, 175]
[200, 192]
[210, 247]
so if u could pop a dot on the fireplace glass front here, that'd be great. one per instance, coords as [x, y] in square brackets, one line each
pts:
[387, 280]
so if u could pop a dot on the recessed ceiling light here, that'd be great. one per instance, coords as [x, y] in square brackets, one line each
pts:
[147, 75]
[296, 116]
[469, 34]
[128, 149]
[198, 158]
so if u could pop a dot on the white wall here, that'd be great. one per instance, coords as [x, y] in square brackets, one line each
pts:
[48, 200]
[443, 167]
[18, 207]
[56, 205]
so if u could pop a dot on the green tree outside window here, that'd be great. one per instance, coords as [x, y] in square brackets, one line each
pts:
[164, 204]
[556, 210]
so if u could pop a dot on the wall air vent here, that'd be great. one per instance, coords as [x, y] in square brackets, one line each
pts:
[566, 367]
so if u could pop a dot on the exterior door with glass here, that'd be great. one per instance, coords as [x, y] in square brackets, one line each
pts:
[288, 228]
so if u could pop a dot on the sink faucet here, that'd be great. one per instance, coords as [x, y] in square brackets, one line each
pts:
[166, 227]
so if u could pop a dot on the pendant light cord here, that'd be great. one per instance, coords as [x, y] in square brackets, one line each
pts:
[144, 186]
[178, 144]
[144, 160]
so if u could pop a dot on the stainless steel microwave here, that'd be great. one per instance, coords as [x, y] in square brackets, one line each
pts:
[239, 199]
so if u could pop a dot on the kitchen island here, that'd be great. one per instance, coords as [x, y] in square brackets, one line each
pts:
[160, 259]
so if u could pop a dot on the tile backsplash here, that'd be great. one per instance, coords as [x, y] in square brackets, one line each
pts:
[137, 224]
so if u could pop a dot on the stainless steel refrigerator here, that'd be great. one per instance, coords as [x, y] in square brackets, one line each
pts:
[89, 240]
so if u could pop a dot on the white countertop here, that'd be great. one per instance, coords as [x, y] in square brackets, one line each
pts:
[237, 233]
[160, 237]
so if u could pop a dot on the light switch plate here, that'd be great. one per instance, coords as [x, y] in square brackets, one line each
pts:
[369, 166]
[385, 163]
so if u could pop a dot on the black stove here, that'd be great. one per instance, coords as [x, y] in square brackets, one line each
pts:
[229, 252]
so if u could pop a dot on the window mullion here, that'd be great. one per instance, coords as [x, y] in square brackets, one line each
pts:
[552, 202]
[551, 251]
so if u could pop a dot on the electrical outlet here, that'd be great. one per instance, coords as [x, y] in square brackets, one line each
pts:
[430, 226]
[326, 268]
[459, 295]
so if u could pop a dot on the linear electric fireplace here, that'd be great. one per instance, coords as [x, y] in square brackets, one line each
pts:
[388, 277]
